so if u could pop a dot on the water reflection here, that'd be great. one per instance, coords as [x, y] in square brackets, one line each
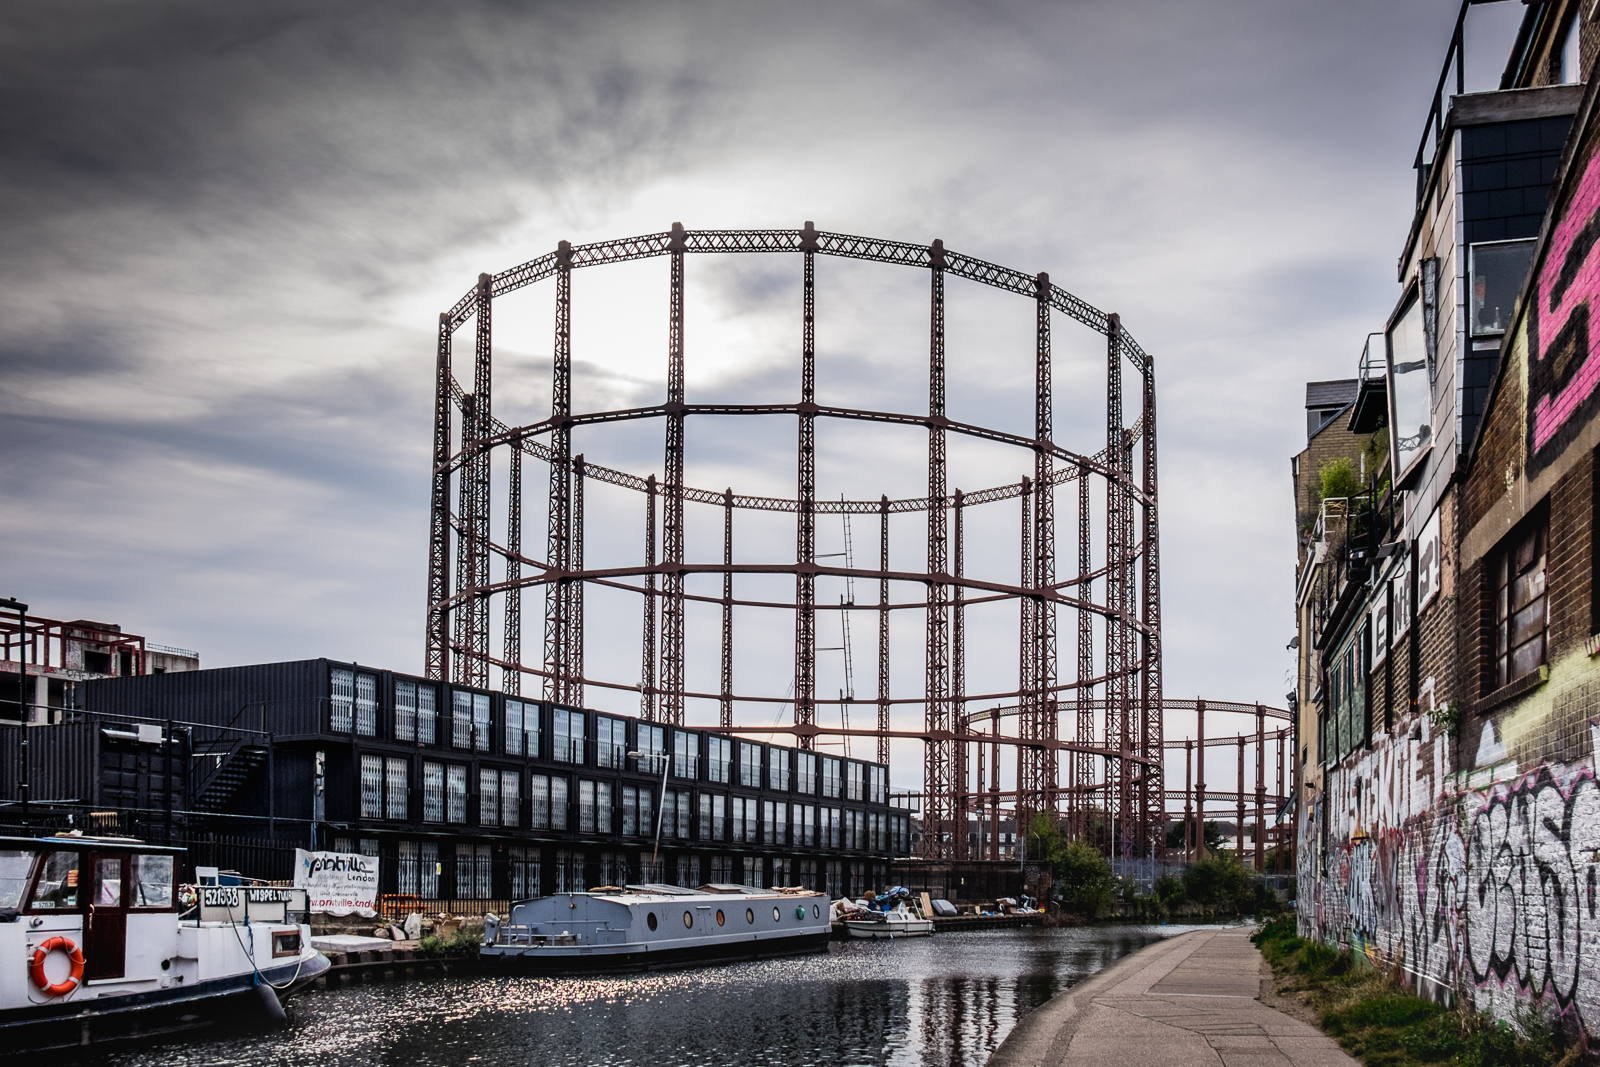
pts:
[929, 1002]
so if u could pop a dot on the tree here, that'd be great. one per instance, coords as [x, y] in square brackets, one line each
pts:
[1082, 877]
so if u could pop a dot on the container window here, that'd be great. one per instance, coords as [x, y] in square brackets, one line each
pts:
[510, 798]
[396, 788]
[427, 715]
[405, 711]
[342, 691]
[455, 793]
[366, 705]
[372, 787]
[433, 792]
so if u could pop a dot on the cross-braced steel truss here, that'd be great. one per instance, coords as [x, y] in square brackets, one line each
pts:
[1107, 719]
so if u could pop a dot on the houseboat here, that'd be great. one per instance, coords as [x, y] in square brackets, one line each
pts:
[646, 927]
[102, 950]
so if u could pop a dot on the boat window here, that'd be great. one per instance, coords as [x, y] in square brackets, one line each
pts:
[152, 881]
[721, 918]
[816, 912]
[750, 915]
[108, 882]
[688, 920]
[15, 866]
[777, 916]
[650, 920]
[58, 882]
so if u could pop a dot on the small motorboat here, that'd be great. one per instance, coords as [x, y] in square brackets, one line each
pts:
[647, 927]
[102, 950]
[888, 925]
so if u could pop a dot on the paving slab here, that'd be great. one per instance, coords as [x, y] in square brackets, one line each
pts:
[1192, 1000]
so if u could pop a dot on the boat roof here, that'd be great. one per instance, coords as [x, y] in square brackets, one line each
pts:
[85, 843]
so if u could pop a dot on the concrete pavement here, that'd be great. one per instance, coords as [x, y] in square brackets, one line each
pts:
[1191, 1001]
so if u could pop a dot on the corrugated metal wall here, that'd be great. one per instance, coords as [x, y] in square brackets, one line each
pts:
[285, 699]
[62, 762]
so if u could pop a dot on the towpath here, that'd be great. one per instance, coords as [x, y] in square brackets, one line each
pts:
[1191, 1001]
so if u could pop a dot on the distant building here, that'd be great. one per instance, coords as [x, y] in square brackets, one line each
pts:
[61, 656]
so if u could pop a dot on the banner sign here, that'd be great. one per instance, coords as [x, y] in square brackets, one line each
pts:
[338, 883]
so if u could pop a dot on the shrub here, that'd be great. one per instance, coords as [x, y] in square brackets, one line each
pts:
[1339, 478]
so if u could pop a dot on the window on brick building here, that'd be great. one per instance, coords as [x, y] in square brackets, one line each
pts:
[1521, 606]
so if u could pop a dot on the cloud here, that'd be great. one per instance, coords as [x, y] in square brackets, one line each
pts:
[230, 231]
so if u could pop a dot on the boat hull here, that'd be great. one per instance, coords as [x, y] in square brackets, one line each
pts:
[889, 931]
[623, 959]
[234, 1003]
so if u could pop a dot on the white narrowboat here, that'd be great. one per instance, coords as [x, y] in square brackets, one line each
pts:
[646, 927]
[100, 952]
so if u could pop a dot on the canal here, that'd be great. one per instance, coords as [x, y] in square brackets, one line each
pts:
[942, 1001]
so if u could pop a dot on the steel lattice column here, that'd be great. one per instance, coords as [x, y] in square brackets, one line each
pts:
[461, 639]
[438, 637]
[1042, 796]
[647, 640]
[938, 786]
[672, 636]
[1117, 600]
[1152, 697]
[511, 662]
[472, 557]
[958, 673]
[573, 630]
[805, 527]
[1027, 651]
[883, 632]
[559, 522]
[482, 367]
[725, 715]
[1083, 763]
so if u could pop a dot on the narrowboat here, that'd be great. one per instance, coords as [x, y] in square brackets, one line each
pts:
[102, 951]
[648, 927]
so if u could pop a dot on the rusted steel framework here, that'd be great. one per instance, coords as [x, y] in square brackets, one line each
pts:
[1113, 754]
[1092, 803]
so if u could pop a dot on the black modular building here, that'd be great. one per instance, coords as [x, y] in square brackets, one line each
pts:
[469, 793]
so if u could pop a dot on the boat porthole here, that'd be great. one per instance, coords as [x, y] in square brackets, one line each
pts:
[721, 918]
[777, 916]
[750, 915]
[650, 920]
[816, 912]
[688, 919]
[799, 911]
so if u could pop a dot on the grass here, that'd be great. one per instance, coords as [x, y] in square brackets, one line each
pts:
[462, 943]
[1384, 1024]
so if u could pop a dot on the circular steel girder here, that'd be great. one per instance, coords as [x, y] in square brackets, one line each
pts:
[847, 246]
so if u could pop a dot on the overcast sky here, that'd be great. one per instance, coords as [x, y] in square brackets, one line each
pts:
[229, 229]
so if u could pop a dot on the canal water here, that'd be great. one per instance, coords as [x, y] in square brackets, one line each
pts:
[941, 1001]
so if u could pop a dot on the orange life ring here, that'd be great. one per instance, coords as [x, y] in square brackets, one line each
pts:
[36, 968]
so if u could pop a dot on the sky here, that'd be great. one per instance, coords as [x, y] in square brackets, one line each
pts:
[229, 231]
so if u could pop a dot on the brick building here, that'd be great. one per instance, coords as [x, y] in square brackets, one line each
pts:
[1450, 821]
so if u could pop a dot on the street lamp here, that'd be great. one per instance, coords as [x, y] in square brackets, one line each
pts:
[661, 802]
[13, 604]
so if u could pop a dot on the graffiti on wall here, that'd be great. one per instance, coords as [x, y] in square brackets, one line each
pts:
[1492, 890]
[1563, 366]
